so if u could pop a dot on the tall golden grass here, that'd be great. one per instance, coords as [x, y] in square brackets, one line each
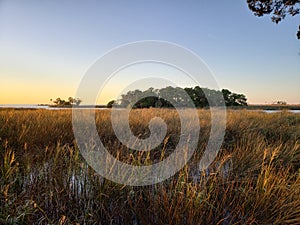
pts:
[255, 178]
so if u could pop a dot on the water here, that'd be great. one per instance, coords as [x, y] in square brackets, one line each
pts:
[20, 106]
[277, 111]
[30, 106]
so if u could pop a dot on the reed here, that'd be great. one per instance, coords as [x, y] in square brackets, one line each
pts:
[255, 178]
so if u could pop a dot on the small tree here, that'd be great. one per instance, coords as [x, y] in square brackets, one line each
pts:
[58, 101]
[110, 104]
[77, 101]
[71, 101]
[281, 103]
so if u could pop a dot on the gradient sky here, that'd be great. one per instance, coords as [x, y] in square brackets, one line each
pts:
[47, 46]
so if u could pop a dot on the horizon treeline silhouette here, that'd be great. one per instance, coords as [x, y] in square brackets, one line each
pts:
[170, 97]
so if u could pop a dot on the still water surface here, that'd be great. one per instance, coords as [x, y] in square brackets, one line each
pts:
[54, 108]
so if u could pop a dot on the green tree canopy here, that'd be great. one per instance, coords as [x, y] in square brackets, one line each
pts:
[169, 97]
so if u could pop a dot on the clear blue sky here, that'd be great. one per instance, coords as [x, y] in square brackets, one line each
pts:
[47, 46]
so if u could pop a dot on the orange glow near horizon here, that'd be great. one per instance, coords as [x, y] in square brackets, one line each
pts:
[12, 92]
[26, 93]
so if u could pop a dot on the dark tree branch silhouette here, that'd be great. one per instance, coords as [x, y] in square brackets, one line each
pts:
[279, 8]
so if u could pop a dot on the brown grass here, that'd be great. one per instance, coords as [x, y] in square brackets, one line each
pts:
[254, 180]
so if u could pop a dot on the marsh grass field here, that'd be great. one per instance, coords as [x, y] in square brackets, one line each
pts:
[255, 178]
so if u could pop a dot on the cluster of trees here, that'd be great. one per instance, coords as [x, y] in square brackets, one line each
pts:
[71, 101]
[234, 99]
[280, 103]
[168, 97]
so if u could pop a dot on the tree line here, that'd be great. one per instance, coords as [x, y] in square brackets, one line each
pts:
[170, 97]
[70, 102]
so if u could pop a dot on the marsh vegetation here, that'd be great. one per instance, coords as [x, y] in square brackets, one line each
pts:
[255, 178]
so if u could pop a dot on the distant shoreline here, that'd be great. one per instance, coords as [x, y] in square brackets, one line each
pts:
[74, 106]
[46, 106]
[249, 107]
[268, 107]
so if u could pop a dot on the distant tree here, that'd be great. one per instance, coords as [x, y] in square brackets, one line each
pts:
[77, 101]
[234, 99]
[281, 103]
[174, 96]
[130, 98]
[279, 9]
[239, 99]
[147, 102]
[58, 101]
[226, 95]
[170, 97]
[71, 101]
[197, 95]
[110, 104]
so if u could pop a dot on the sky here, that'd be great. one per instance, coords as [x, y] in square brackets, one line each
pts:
[46, 47]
